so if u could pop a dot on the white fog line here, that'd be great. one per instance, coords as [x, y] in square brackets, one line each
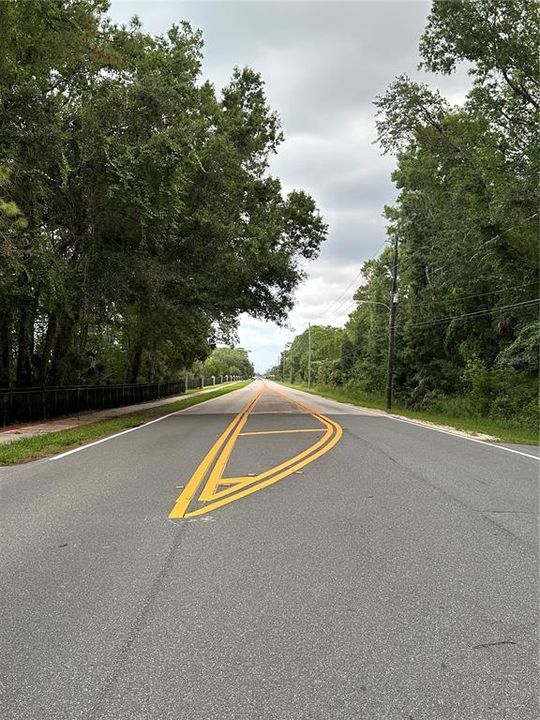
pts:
[109, 437]
[125, 432]
[463, 437]
[455, 434]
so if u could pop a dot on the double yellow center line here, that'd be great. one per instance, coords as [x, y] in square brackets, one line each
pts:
[215, 461]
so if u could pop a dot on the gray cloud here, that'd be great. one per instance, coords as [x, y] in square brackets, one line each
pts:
[323, 64]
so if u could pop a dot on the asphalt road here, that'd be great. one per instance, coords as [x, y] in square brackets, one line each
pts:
[362, 568]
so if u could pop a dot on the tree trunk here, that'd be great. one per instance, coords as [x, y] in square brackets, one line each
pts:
[25, 348]
[62, 369]
[47, 349]
[135, 360]
[5, 350]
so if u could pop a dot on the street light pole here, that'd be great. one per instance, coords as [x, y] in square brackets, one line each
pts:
[309, 357]
[392, 331]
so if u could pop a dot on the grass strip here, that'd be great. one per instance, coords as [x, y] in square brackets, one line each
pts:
[497, 429]
[56, 442]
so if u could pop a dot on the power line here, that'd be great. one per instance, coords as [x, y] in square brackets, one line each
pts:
[336, 305]
[343, 294]
[477, 313]
[491, 239]
[345, 308]
[354, 304]
[329, 307]
[491, 292]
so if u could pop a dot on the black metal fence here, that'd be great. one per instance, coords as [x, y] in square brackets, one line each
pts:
[42, 403]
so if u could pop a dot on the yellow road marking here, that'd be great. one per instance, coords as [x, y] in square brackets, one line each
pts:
[239, 487]
[185, 498]
[223, 459]
[298, 403]
[265, 483]
[279, 432]
[236, 480]
[300, 456]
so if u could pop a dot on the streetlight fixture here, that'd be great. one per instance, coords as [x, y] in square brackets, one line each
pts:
[373, 302]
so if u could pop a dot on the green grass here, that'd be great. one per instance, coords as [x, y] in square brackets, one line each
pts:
[498, 429]
[56, 442]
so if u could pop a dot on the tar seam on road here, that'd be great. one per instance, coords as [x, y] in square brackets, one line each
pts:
[420, 478]
[136, 627]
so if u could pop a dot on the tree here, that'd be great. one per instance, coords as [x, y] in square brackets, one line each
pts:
[228, 361]
[325, 352]
[151, 220]
[466, 218]
[499, 39]
[468, 195]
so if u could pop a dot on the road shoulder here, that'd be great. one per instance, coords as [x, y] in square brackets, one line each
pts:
[42, 444]
[522, 448]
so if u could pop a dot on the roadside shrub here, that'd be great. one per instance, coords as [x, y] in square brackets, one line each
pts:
[499, 393]
[523, 353]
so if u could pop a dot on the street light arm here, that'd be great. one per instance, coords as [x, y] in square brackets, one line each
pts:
[373, 302]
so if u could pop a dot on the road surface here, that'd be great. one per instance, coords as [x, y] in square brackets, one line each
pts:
[270, 554]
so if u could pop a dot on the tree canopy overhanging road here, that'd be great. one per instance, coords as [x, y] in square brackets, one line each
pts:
[270, 554]
[138, 218]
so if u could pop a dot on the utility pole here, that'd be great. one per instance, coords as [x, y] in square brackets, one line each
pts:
[309, 357]
[392, 331]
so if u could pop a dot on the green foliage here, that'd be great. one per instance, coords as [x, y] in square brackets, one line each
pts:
[523, 352]
[151, 220]
[499, 41]
[466, 218]
[227, 361]
[502, 393]
[325, 354]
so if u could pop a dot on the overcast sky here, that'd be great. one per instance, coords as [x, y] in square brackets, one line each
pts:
[323, 64]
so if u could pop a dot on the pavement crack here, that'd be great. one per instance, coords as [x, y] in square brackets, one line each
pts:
[508, 512]
[136, 626]
[421, 478]
[493, 644]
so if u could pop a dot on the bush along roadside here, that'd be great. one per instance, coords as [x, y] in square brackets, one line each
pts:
[52, 443]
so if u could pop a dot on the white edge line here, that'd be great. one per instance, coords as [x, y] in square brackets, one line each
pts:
[125, 432]
[427, 427]
[463, 437]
